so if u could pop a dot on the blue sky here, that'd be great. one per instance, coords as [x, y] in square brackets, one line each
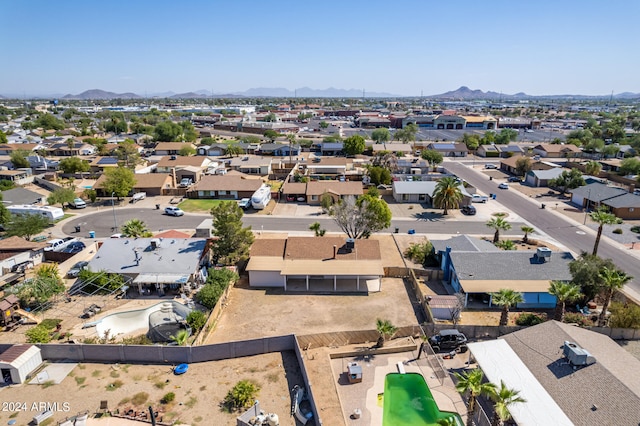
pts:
[404, 47]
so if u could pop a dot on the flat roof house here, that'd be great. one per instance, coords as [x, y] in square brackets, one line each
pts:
[231, 187]
[449, 149]
[549, 150]
[322, 264]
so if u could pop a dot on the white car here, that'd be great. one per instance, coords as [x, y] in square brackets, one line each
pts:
[173, 211]
[503, 185]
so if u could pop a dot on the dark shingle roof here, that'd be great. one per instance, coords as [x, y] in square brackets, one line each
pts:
[622, 201]
[612, 383]
[597, 192]
[511, 265]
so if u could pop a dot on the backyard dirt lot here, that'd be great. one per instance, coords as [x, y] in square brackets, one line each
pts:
[198, 393]
[254, 313]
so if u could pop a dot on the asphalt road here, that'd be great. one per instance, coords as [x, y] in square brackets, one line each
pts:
[102, 223]
[564, 230]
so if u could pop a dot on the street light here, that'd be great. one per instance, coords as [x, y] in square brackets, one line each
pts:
[113, 206]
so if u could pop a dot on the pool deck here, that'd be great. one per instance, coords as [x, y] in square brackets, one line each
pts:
[364, 395]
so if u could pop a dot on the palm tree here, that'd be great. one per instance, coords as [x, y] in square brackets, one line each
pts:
[527, 230]
[447, 194]
[506, 298]
[593, 168]
[135, 228]
[385, 329]
[612, 280]
[233, 150]
[471, 381]
[602, 217]
[502, 399]
[499, 224]
[181, 337]
[564, 292]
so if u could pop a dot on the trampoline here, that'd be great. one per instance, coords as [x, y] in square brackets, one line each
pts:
[180, 369]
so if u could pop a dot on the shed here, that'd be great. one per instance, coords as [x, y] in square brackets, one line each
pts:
[444, 307]
[17, 362]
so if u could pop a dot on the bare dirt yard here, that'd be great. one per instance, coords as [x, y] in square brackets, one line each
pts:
[198, 393]
[254, 313]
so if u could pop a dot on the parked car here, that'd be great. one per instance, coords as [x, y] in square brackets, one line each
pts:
[503, 185]
[477, 198]
[185, 183]
[75, 269]
[138, 196]
[245, 203]
[75, 247]
[78, 203]
[53, 244]
[173, 211]
[515, 179]
[490, 166]
[468, 210]
[449, 340]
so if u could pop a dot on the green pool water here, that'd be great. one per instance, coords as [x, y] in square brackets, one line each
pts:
[408, 401]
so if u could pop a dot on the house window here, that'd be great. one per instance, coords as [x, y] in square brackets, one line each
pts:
[405, 197]
[422, 197]
[222, 192]
[630, 209]
[200, 193]
[314, 198]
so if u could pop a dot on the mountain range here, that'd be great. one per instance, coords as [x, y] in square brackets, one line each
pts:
[463, 93]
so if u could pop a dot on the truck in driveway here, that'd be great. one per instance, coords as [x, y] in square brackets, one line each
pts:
[477, 198]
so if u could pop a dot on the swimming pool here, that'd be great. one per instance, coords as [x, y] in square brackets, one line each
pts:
[408, 401]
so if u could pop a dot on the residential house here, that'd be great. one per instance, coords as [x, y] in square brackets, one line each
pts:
[230, 186]
[412, 166]
[488, 151]
[510, 165]
[421, 192]
[17, 250]
[100, 164]
[154, 264]
[321, 264]
[8, 149]
[510, 150]
[329, 168]
[213, 150]
[294, 191]
[171, 148]
[567, 375]
[151, 183]
[75, 149]
[21, 196]
[479, 270]
[331, 148]
[625, 151]
[403, 148]
[251, 165]
[549, 150]
[192, 167]
[449, 149]
[620, 202]
[278, 149]
[19, 176]
[336, 189]
[542, 177]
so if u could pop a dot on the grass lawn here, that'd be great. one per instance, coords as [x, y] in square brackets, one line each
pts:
[200, 205]
[66, 216]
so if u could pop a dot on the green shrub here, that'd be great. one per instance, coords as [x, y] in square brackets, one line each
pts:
[242, 395]
[577, 318]
[50, 323]
[196, 320]
[527, 319]
[624, 315]
[38, 334]
[115, 385]
[168, 398]
[635, 229]
[617, 231]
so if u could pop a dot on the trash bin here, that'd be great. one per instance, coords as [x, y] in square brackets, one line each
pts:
[411, 231]
[77, 228]
[397, 230]
[493, 196]
[490, 195]
[543, 206]
[92, 234]
[157, 206]
[490, 177]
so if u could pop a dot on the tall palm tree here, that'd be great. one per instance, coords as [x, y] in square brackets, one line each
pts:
[385, 329]
[502, 399]
[593, 168]
[135, 228]
[602, 217]
[612, 280]
[564, 292]
[506, 298]
[499, 224]
[471, 381]
[527, 230]
[447, 194]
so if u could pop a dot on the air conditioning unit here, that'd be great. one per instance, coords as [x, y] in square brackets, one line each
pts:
[576, 355]
[543, 253]
[350, 244]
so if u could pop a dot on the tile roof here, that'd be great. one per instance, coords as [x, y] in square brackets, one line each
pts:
[550, 147]
[181, 161]
[294, 188]
[172, 146]
[612, 384]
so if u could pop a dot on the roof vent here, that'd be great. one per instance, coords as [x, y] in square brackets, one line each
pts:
[154, 244]
[576, 355]
[543, 253]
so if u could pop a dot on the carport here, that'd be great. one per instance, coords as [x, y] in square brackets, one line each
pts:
[331, 275]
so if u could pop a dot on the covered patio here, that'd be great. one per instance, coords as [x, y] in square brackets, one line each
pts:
[148, 281]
